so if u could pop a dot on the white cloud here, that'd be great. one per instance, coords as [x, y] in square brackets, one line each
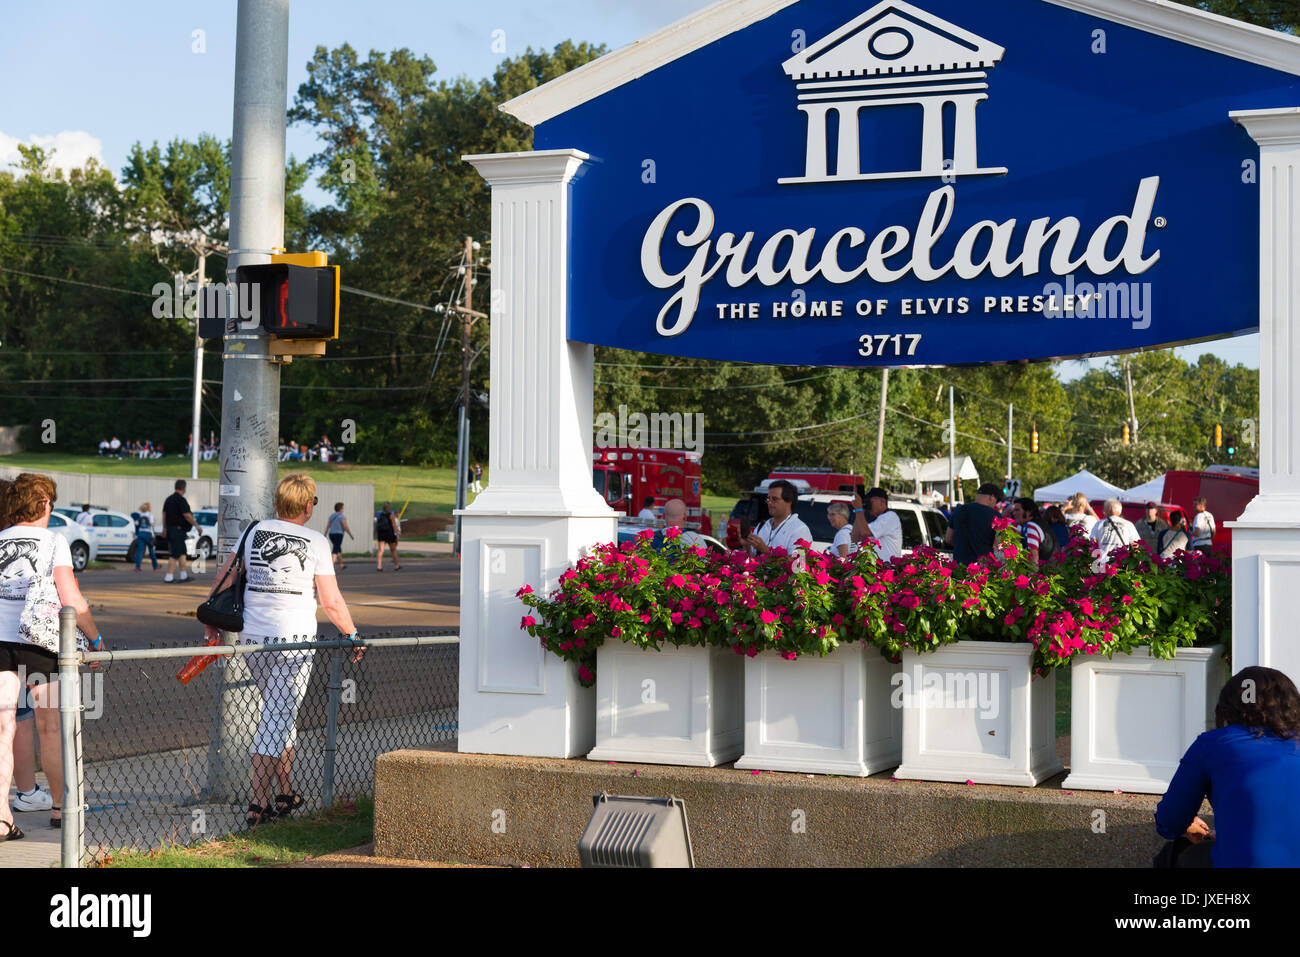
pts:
[69, 149]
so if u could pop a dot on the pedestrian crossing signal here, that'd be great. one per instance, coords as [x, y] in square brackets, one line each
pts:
[295, 302]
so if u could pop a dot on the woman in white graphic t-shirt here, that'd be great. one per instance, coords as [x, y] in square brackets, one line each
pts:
[29, 552]
[288, 569]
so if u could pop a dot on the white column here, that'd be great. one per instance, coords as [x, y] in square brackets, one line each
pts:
[815, 164]
[539, 513]
[1266, 538]
[848, 162]
[965, 142]
[932, 145]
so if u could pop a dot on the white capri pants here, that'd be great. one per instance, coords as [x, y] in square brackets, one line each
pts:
[282, 678]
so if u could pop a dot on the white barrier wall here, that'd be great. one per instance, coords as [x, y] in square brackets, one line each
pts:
[125, 493]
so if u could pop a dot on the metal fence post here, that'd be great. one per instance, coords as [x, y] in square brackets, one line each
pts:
[331, 727]
[74, 795]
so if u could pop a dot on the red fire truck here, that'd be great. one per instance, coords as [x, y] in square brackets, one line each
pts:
[625, 476]
[822, 479]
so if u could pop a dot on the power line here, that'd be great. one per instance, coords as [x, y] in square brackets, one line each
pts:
[715, 388]
[76, 282]
[980, 438]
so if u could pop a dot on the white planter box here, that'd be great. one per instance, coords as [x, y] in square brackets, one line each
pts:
[972, 713]
[676, 706]
[827, 715]
[1133, 716]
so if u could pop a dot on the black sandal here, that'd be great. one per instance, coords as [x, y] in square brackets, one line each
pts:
[257, 814]
[13, 834]
[56, 822]
[291, 802]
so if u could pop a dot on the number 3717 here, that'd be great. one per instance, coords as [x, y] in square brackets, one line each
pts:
[895, 345]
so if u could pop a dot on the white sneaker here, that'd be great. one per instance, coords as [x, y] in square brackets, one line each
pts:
[38, 800]
[184, 577]
[168, 578]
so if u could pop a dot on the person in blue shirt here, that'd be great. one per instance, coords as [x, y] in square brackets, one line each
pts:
[1249, 768]
[144, 535]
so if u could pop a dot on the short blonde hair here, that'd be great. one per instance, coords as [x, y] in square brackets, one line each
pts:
[146, 507]
[294, 493]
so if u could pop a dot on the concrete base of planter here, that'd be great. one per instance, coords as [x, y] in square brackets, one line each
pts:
[676, 706]
[973, 711]
[1133, 716]
[827, 715]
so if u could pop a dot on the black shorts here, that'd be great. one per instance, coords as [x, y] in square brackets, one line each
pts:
[28, 660]
[336, 540]
[388, 538]
[176, 541]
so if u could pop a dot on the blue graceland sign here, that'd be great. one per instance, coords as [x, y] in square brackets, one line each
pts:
[949, 182]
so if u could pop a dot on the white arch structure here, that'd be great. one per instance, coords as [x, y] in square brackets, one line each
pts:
[540, 511]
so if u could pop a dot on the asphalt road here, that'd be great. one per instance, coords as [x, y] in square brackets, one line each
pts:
[136, 610]
[138, 707]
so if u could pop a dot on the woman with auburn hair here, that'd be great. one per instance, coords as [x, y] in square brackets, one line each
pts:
[1249, 768]
[29, 552]
[288, 567]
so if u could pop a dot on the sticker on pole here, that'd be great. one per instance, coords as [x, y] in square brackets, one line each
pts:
[230, 491]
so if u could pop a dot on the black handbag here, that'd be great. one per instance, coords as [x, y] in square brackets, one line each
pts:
[225, 609]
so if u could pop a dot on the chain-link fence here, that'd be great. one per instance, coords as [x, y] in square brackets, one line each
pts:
[163, 762]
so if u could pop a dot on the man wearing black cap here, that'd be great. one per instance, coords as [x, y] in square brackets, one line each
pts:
[1152, 527]
[971, 531]
[883, 525]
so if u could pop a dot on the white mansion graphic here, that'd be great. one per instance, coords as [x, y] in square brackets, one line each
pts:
[894, 54]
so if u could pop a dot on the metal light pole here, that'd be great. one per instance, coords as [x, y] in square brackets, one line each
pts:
[880, 428]
[198, 365]
[250, 393]
[1010, 420]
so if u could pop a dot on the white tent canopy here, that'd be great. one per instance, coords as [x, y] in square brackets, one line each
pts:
[1084, 482]
[936, 470]
[1152, 491]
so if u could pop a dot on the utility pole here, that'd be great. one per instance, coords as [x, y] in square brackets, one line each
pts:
[952, 450]
[880, 428]
[198, 364]
[1010, 423]
[1132, 410]
[250, 392]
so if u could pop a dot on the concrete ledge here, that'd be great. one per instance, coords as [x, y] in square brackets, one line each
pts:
[442, 806]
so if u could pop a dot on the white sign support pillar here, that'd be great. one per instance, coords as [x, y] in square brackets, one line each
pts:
[540, 513]
[1266, 538]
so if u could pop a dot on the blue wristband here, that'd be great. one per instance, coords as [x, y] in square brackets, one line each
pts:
[94, 645]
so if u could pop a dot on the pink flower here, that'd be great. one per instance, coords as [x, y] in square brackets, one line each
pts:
[646, 533]
[769, 617]
[585, 674]
[676, 617]
[677, 581]
[527, 621]
[789, 655]
[672, 532]
[526, 590]
[752, 652]
[615, 632]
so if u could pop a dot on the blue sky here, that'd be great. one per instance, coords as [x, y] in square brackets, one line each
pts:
[90, 77]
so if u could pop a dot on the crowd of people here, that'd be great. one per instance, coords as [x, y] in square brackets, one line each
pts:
[289, 571]
[322, 450]
[138, 449]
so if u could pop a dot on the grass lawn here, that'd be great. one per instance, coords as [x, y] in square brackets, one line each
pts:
[278, 842]
[430, 491]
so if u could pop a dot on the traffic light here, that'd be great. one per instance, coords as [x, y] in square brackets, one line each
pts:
[1232, 445]
[1126, 433]
[1218, 436]
[1033, 439]
[295, 302]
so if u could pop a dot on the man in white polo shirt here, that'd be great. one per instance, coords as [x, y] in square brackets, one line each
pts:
[784, 529]
[885, 525]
